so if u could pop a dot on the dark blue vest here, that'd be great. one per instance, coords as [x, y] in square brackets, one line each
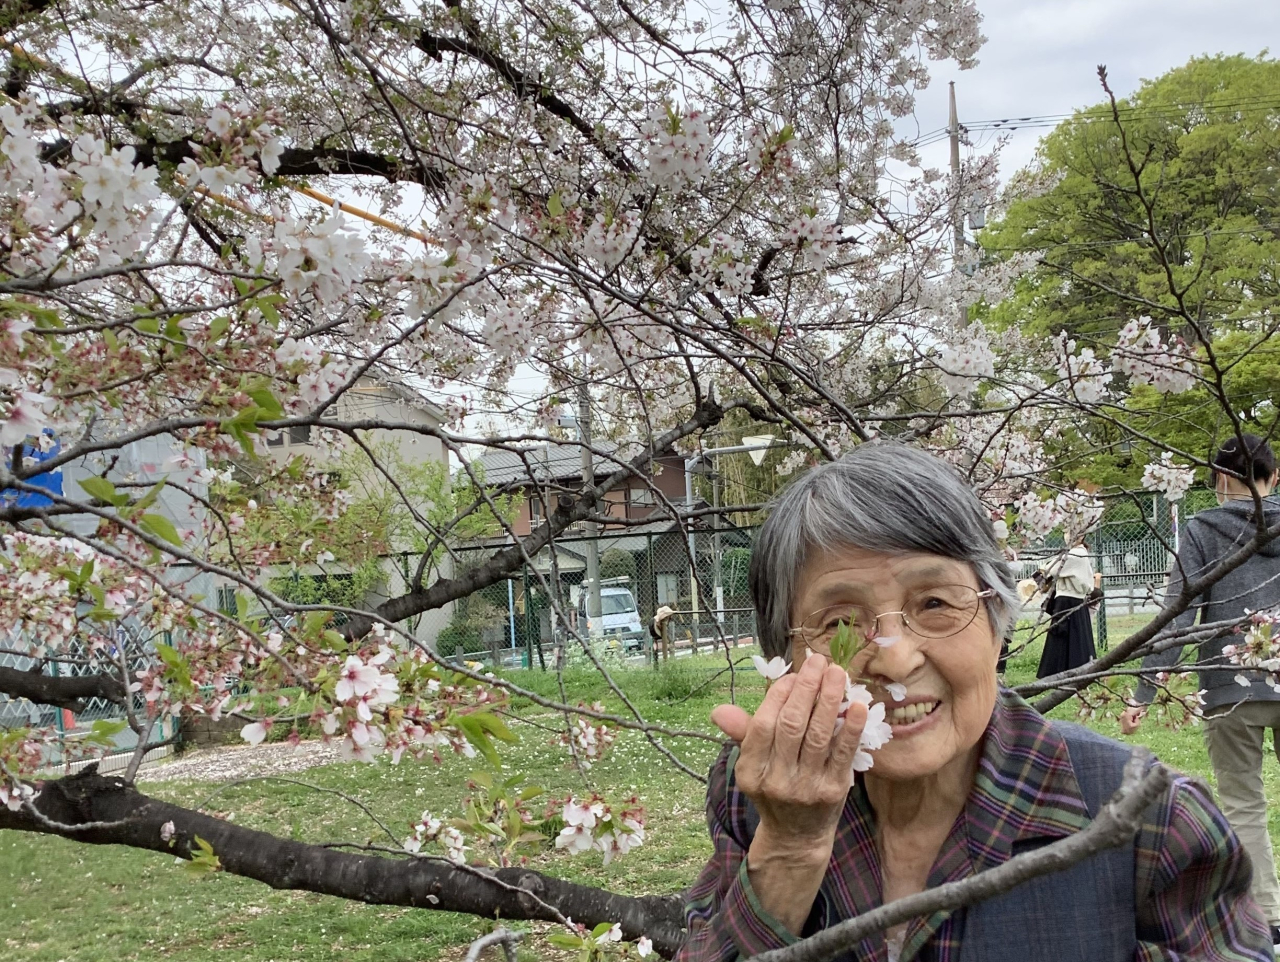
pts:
[1084, 914]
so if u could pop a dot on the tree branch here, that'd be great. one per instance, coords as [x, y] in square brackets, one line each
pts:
[63, 691]
[67, 806]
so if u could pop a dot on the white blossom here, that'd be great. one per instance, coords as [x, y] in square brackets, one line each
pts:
[773, 669]
[1171, 480]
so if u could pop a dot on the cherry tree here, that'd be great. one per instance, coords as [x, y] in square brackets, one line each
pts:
[696, 214]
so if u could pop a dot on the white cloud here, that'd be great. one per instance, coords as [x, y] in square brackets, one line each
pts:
[1041, 58]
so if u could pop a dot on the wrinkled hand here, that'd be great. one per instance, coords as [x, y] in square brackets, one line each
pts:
[793, 765]
[1131, 718]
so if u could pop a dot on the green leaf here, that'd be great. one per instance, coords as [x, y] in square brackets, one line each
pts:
[148, 325]
[844, 645]
[313, 623]
[103, 490]
[148, 499]
[217, 327]
[203, 859]
[161, 527]
[104, 731]
[601, 929]
[174, 332]
[563, 940]
[475, 733]
[176, 663]
[494, 726]
[268, 310]
[271, 407]
[554, 206]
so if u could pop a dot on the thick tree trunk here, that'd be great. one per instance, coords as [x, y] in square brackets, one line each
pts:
[113, 813]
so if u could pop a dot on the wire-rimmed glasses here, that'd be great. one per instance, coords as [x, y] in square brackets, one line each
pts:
[937, 612]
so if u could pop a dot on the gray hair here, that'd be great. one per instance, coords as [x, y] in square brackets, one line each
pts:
[881, 497]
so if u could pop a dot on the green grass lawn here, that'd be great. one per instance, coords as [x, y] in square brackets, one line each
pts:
[74, 902]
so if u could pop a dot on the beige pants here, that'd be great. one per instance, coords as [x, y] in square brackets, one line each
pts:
[1234, 735]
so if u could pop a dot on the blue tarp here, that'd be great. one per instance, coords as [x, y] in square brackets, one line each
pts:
[51, 482]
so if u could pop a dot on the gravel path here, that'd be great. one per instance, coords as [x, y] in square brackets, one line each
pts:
[226, 764]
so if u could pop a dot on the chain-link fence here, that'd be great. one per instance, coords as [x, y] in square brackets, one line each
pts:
[530, 619]
[1132, 548]
[515, 623]
[125, 647]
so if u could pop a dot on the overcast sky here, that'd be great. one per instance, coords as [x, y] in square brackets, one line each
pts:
[1041, 55]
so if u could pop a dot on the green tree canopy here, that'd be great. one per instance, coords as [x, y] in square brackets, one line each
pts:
[1192, 159]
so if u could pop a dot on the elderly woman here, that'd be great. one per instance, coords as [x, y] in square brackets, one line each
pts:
[890, 541]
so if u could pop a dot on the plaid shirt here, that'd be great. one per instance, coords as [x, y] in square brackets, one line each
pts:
[1191, 875]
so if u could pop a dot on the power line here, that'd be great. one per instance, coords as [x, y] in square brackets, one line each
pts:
[1036, 121]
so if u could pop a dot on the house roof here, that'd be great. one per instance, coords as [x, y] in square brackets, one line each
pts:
[549, 462]
[410, 395]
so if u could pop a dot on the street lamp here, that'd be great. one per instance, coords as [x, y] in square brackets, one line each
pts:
[752, 445]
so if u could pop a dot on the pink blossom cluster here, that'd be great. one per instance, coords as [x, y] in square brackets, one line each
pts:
[877, 731]
[1085, 374]
[963, 363]
[609, 240]
[324, 259]
[1141, 353]
[589, 741]
[116, 192]
[508, 328]
[1076, 511]
[1170, 479]
[1260, 649]
[815, 236]
[679, 147]
[595, 824]
[430, 829]
[769, 151]
[720, 264]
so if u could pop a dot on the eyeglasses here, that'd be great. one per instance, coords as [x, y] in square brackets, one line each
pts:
[938, 612]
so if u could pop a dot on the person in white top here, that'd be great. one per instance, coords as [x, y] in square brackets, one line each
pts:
[1069, 641]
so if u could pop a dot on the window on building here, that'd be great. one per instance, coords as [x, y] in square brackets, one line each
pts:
[641, 497]
[227, 600]
[300, 434]
[275, 439]
[535, 507]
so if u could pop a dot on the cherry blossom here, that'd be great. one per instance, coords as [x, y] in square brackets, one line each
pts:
[595, 825]
[1171, 480]
[1084, 373]
[773, 669]
[26, 417]
[614, 934]
[964, 363]
[254, 732]
[679, 146]
[1141, 353]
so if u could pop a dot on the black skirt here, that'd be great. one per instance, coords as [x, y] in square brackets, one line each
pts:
[1069, 642]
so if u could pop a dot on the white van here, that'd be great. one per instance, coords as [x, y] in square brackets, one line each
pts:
[619, 617]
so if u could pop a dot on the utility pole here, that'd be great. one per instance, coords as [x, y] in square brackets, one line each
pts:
[592, 529]
[957, 212]
[715, 541]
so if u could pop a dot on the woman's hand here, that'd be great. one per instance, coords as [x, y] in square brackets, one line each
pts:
[1131, 718]
[795, 768]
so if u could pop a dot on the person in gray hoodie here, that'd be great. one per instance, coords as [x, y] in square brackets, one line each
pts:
[1238, 705]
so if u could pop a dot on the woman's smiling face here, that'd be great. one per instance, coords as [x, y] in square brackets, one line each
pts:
[950, 682]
